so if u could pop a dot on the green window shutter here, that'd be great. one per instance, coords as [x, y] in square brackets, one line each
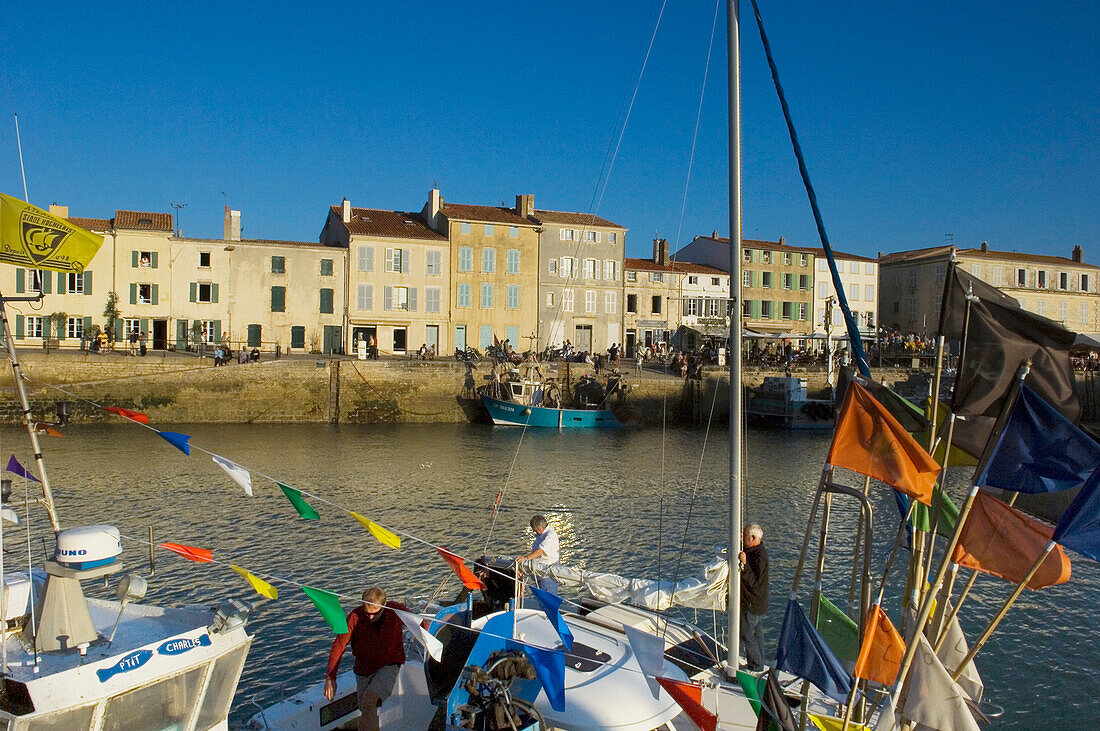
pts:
[47, 323]
[213, 293]
[133, 294]
[297, 337]
[61, 277]
[154, 293]
[254, 336]
[134, 259]
[19, 323]
[194, 296]
[278, 299]
[47, 283]
[87, 327]
[87, 282]
[20, 276]
[326, 301]
[153, 260]
[216, 336]
[119, 335]
[181, 334]
[143, 325]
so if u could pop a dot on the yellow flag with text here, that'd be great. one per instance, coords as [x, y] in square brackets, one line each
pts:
[32, 238]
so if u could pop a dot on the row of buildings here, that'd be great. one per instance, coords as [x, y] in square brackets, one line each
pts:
[454, 275]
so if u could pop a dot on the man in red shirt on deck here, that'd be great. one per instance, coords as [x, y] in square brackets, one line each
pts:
[379, 649]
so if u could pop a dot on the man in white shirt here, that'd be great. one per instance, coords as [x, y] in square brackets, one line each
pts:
[545, 548]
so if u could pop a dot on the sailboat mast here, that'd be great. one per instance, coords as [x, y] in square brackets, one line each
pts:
[733, 352]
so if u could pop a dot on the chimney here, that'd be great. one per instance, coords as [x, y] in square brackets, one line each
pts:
[782, 241]
[985, 246]
[231, 229]
[63, 212]
[660, 251]
[1078, 255]
[525, 205]
[715, 234]
[346, 210]
[433, 208]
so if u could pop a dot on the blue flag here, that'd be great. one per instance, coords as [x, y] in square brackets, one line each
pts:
[17, 469]
[550, 604]
[1039, 450]
[1079, 528]
[803, 652]
[179, 441]
[550, 670]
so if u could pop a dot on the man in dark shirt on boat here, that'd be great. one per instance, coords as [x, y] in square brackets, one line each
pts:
[379, 649]
[754, 594]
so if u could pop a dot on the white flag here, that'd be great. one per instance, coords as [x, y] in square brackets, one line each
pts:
[951, 653]
[650, 651]
[236, 473]
[932, 699]
[421, 635]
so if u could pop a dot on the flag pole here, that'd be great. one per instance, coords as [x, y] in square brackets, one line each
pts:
[955, 610]
[19, 144]
[1004, 610]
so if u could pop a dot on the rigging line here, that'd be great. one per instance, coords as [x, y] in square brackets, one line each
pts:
[504, 487]
[854, 339]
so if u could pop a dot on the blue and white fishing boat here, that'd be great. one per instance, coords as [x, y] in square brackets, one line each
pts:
[523, 396]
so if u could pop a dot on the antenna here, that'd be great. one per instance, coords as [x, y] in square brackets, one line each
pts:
[178, 207]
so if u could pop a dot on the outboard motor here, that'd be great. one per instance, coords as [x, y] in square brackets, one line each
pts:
[500, 586]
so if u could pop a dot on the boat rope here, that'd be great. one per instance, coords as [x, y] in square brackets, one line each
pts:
[854, 337]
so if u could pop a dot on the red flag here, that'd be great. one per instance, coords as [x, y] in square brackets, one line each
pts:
[470, 581]
[998, 539]
[870, 441]
[689, 696]
[882, 651]
[201, 555]
[127, 413]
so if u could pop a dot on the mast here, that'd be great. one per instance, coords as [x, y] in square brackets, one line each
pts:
[733, 47]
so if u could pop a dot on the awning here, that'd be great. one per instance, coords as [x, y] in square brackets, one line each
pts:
[1087, 341]
[709, 331]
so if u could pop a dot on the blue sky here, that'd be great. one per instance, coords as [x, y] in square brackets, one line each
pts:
[918, 120]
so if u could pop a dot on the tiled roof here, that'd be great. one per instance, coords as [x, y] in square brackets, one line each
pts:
[942, 252]
[91, 224]
[842, 255]
[676, 267]
[757, 244]
[143, 221]
[934, 252]
[388, 224]
[486, 214]
[574, 219]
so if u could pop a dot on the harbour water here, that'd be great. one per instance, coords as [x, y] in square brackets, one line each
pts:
[619, 499]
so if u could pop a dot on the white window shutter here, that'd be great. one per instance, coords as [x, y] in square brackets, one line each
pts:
[412, 299]
[387, 303]
[406, 256]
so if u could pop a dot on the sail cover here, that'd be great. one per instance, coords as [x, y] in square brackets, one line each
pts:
[708, 592]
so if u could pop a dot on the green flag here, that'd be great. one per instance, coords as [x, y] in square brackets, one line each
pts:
[751, 686]
[840, 632]
[295, 498]
[328, 604]
[949, 514]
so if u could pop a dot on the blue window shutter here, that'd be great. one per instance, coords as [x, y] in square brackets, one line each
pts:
[87, 282]
[61, 276]
[154, 294]
[47, 282]
[133, 259]
[19, 324]
[194, 292]
[20, 278]
[133, 294]
[213, 293]
[412, 299]
[153, 260]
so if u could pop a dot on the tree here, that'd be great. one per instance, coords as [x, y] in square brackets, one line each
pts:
[59, 320]
[110, 311]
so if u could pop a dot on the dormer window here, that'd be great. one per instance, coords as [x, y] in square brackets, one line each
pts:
[145, 222]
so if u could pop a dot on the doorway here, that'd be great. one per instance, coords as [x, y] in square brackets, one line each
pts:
[460, 337]
[400, 340]
[160, 334]
[332, 344]
[582, 339]
[431, 337]
[631, 341]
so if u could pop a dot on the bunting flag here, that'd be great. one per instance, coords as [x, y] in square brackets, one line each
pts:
[328, 604]
[932, 699]
[551, 604]
[550, 670]
[179, 441]
[952, 652]
[838, 630]
[775, 712]
[870, 441]
[236, 473]
[959, 457]
[803, 652]
[752, 687]
[33, 238]
[882, 650]
[649, 650]
[1039, 450]
[385, 537]
[829, 723]
[17, 469]
[137, 416]
[191, 553]
[426, 639]
[999, 540]
[259, 585]
[470, 581]
[295, 498]
[689, 696]
[42, 427]
[908, 414]
[1079, 528]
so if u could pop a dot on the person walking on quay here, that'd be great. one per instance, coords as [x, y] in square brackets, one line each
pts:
[754, 594]
[545, 547]
[375, 636]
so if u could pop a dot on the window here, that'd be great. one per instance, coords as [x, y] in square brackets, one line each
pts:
[746, 308]
[869, 292]
[1040, 307]
[766, 280]
[870, 319]
[1042, 279]
[714, 308]
[787, 309]
[691, 307]
[34, 326]
[566, 268]
[397, 298]
[802, 311]
[326, 267]
[611, 270]
[512, 299]
[433, 299]
[567, 300]
[591, 269]
[432, 266]
[804, 260]
[568, 234]
[1021, 277]
[612, 238]
[746, 278]
[854, 267]
[463, 295]
[765, 309]
[75, 328]
[144, 294]
[786, 259]
[204, 260]
[465, 259]
[205, 293]
[822, 289]
[788, 281]
[655, 306]
[326, 301]
[656, 277]
[465, 228]
[76, 283]
[488, 229]
[397, 260]
[1063, 280]
[632, 303]
[766, 257]
[278, 265]
[610, 303]
[366, 258]
[278, 299]
[715, 281]
[853, 292]
[129, 325]
[1084, 282]
[803, 282]
[364, 297]
[869, 268]
[211, 330]
[145, 259]
[589, 301]
[38, 279]
[513, 261]
[487, 295]
[746, 255]
[549, 299]
[592, 236]
[632, 276]
[513, 232]
[822, 265]
[693, 280]
[1062, 311]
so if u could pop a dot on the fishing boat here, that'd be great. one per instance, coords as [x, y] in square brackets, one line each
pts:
[782, 402]
[525, 395]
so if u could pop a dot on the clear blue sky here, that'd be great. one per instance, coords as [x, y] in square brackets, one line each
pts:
[918, 120]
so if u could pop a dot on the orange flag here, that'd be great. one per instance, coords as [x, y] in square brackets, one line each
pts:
[870, 441]
[128, 413]
[470, 581]
[880, 656]
[998, 539]
[689, 696]
[201, 555]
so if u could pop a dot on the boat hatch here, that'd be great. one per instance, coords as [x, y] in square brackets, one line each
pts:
[585, 659]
